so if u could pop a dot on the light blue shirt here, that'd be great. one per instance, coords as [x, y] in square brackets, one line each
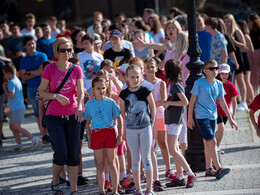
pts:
[101, 112]
[218, 44]
[15, 86]
[207, 94]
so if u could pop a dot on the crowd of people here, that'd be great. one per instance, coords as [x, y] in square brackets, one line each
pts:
[124, 83]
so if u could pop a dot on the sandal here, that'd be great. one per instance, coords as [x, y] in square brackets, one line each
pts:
[56, 191]
[74, 192]
[210, 172]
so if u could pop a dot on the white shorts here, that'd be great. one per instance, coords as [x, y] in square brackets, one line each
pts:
[174, 129]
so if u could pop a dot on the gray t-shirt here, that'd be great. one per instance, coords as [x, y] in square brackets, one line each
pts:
[174, 114]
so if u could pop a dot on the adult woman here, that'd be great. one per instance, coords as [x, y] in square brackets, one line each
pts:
[239, 40]
[254, 25]
[64, 113]
[76, 37]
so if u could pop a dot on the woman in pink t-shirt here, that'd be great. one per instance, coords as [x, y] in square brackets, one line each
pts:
[64, 113]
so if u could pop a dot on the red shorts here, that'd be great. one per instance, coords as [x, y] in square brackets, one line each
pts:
[120, 148]
[103, 138]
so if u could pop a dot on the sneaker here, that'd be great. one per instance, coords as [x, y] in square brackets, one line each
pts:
[222, 172]
[157, 187]
[191, 181]
[125, 182]
[17, 149]
[35, 143]
[83, 178]
[242, 107]
[108, 186]
[210, 172]
[176, 182]
[46, 139]
[149, 192]
[138, 192]
[130, 189]
[170, 175]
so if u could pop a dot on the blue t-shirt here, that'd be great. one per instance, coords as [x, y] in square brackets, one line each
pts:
[33, 63]
[15, 45]
[15, 86]
[204, 43]
[45, 46]
[101, 112]
[218, 44]
[207, 94]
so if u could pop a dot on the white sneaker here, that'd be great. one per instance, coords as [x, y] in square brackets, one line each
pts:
[240, 107]
[35, 143]
[245, 105]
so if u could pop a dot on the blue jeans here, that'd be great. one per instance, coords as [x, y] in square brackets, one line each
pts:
[65, 139]
[31, 96]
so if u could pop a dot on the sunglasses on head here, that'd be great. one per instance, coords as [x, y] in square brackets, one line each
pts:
[213, 68]
[65, 50]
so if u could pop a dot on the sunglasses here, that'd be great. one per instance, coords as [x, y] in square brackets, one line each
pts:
[213, 68]
[65, 50]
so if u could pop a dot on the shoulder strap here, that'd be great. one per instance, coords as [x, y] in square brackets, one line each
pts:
[182, 57]
[62, 83]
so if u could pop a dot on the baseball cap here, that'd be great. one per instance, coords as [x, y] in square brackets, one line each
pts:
[224, 68]
[95, 68]
[116, 33]
[97, 38]
[123, 68]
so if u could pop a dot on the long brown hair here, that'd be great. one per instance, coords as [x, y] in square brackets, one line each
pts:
[173, 70]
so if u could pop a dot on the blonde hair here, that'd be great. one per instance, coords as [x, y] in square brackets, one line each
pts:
[181, 45]
[59, 41]
[109, 87]
[233, 21]
[175, 23]
[130, 68]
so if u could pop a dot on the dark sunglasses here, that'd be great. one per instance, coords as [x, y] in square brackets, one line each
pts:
[65, 50]
[213, 68]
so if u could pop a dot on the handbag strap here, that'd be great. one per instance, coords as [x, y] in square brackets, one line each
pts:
[61, 85]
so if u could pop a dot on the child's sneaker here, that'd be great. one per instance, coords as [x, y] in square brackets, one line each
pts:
[35, 143]
[222, 172]
[138, 192]
[108, 186]
[170, 175]
[191, 181]
[176, 182]
[149, 192]
[125, 182]
[157, 187]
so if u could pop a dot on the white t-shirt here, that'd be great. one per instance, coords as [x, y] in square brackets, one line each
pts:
[90, 30]
[55, 33]
[86, 61]
[26, 32]
[158, 36]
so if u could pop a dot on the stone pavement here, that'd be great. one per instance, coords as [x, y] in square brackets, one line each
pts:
[28, 172]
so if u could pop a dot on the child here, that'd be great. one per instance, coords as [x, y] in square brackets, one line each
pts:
[122, 73]
[225, 76]
[204, 94]
[88, 59]
[134, 102]
[254, 106]
[174, 118]
[159, 94]
[117, 52]
[13, 90]
[101, 113]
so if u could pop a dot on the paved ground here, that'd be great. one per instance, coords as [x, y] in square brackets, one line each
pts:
[28, 172]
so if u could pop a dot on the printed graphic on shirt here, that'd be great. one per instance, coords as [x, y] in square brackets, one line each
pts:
[137, 113]
[100, 115]
[117, 61]
[87, 65]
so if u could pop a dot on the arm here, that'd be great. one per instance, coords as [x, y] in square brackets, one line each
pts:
[223, 105]
[183, 101]
[224, 56]
[253, 120]
[241, 43]
[234, 106]
[123, 114]
[88, 124]
[120, 127]
[163, 94]
[9, 94]
[41, 111]
[233, 56]
[190, 122]
[152, 112]
[80, 97]
[33, 73]
[249, 45]
[155, 46]
[5, 59]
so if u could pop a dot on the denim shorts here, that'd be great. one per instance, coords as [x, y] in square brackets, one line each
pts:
[31, 92]
[17, 116]
[207, 128]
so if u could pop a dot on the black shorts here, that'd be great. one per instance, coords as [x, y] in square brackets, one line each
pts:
[222, 119]
[82, 129]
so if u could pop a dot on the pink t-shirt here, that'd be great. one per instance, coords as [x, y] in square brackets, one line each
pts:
[184, 60]
[231, 91]
[69, 89]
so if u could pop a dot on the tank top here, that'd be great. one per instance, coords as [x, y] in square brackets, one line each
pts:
[157, 97]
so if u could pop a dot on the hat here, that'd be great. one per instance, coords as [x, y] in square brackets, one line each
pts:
[123, 68]
[97, 38]
[95, 68]
[224, 68]
[116, 33]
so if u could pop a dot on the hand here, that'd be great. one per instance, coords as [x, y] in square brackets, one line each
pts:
[89, 144]
[4, 86]
[138, 43]
[118, 140]
[43, 131]
[233, 124]
[79, 115]
[233, 116]
[190, 124]
[62, 99]
[167, 44]
[165, 104]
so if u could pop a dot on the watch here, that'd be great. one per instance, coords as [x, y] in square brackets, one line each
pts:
[28, 72]
[54, 96]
